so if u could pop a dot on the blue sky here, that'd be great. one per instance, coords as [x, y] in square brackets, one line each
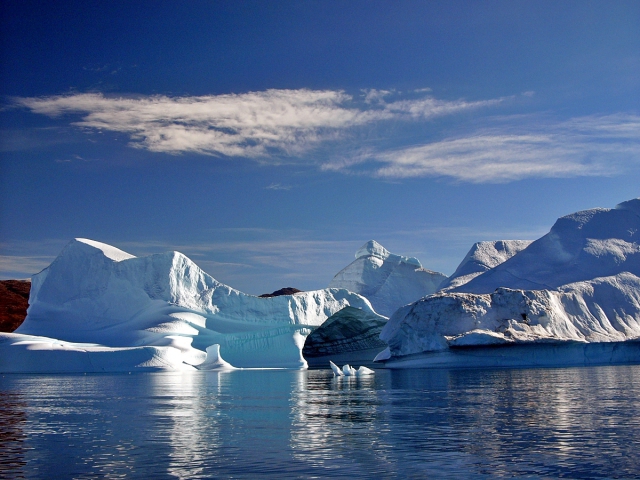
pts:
[269, 140]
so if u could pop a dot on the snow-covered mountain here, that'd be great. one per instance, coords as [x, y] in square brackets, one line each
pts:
[482, 257]
[387, 280]
[577, 285]
[165, 308]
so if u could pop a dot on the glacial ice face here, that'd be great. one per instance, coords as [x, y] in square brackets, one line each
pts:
[584, 245]
[387, 280]
[345, 332]
[95, 293]
[483, 256]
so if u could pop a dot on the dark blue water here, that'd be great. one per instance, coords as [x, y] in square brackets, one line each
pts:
[537, 423]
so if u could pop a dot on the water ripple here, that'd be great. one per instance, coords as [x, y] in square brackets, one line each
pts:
[535, 423]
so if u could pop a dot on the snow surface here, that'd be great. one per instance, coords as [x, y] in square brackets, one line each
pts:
[483, 256]
[387, 280]
[33, 354]
[592, 243]
[95, 294]
[578, 284]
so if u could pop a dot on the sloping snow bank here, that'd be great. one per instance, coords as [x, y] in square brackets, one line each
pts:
[387, 280]
[94, 293]
[584, 245]
[32, 354]
[483, 256]
[601, 310]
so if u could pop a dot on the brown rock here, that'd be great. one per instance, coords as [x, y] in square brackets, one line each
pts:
[282, 291]
[14, 300]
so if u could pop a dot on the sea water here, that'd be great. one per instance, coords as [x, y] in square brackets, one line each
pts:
[536, 423]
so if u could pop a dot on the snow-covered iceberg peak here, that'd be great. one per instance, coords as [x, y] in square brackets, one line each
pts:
[632, 205]
[374, 249]
[109, 251]
[481, 257]
[599, 242]
[387, 280]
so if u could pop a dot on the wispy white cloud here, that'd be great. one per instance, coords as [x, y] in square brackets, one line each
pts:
[254, 125]
[22, 266]
[430, 107]
[586, 146]
[278, 186]
[272, 124]
[375, 96]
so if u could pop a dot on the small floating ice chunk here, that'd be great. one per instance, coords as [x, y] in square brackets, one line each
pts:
[336, 370]
[214, 360]
[349, 371]
[362, 371]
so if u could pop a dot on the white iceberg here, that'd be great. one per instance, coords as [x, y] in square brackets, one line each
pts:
[574, 294]
[387, 280]
[96, 294]
[214, 360]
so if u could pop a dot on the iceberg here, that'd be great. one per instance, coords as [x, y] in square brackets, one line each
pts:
[95, 299]
[387, 280]
[571, 297]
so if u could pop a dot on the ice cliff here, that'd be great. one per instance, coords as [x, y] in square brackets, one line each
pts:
[575, 286]
[350, 335]
[96, 304]
[387, 280]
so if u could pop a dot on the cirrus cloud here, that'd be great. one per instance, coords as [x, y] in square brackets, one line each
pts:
[254, 124]
[269, 125]
[586, 146]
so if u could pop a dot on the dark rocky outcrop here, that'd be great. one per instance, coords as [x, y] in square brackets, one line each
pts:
[14, 300]
[282, 291]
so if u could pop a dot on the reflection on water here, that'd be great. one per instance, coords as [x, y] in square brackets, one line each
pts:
[12, 436]
[574, 422]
